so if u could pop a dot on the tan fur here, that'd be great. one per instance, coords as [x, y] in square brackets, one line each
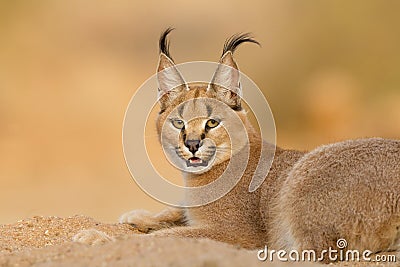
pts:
[308, 200]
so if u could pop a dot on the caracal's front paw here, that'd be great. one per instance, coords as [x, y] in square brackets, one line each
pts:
[92, 237]
[142, 220]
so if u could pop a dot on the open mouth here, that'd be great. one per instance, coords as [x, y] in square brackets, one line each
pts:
[196, 162]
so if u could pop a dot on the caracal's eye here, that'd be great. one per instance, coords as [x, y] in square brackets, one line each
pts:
[212, 123]
[179, 124]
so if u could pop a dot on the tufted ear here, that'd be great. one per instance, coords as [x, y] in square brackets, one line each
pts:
[225, 83]
[170, 81]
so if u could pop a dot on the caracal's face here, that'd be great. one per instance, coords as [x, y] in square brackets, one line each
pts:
[199, 131]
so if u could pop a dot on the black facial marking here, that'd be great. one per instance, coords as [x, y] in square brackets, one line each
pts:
[237, 108]
[180, 110]
[209, 110]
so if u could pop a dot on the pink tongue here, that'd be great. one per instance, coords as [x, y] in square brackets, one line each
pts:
[195, 160]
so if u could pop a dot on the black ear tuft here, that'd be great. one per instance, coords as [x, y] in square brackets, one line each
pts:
[235, 40]
[164, 43]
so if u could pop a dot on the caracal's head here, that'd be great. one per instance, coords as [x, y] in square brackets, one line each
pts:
[201, 124]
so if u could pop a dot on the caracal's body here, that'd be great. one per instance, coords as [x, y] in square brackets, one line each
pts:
[308, 200]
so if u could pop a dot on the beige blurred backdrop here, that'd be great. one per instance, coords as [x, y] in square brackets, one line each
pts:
[329, 69]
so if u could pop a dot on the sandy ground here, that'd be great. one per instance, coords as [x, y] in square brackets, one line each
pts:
[46, 241]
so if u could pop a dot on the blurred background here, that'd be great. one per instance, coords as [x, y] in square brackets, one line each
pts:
[329, 69]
